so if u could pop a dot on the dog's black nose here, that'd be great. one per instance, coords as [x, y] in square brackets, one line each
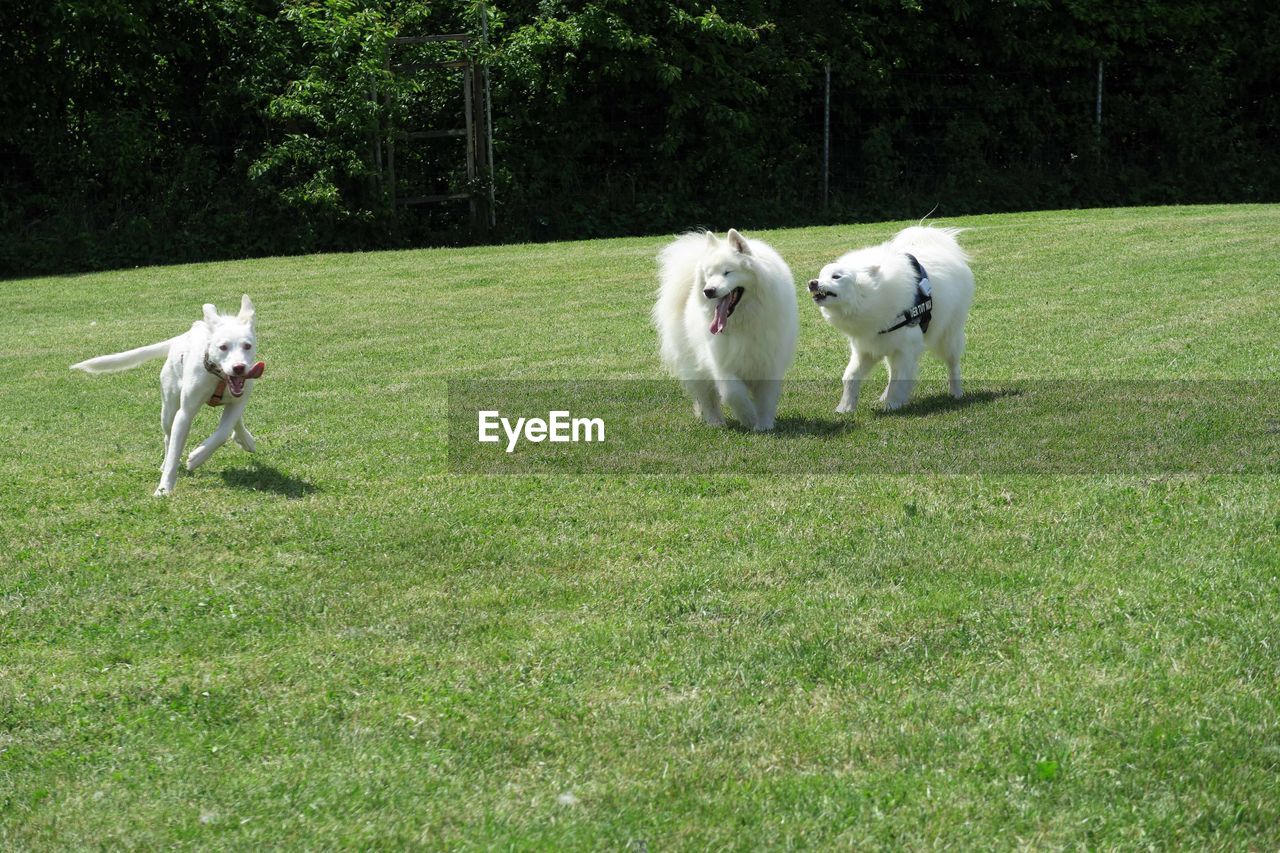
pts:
[710, 293]
[813, 285]
[238, 370]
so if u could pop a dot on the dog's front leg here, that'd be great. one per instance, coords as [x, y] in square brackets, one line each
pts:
[706, 403]
[230, 417]
[903, 366]
[177, 440]
[767, 392]
[860, 364]
[243, 437]
[735, 393]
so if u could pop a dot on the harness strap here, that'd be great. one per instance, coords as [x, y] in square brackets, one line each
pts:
[920, 313]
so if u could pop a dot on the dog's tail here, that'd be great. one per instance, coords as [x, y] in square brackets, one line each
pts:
[918, 238]
[123, 360]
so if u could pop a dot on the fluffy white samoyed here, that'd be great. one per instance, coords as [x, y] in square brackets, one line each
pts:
[727, 323]
[894, 300]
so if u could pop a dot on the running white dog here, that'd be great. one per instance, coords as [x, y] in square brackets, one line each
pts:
[894, 300]
[217, 355]
[727, 324]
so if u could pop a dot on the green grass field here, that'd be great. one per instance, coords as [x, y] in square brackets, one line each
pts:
[338, 643]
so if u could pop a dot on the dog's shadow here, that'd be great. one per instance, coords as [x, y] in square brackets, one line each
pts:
[265, 478]
[820, 427]
[944, 402]
[918, 407]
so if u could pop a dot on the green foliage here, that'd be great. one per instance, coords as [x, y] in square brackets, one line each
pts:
[135, 131]
[323, 124]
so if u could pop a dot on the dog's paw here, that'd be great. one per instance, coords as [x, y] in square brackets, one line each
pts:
[248, 444]
[891, 405]
[845, 407]
[763, 426]
[160, 492]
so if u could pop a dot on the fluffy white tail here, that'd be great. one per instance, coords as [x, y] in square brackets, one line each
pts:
[677, 269]
[123, 360]
[929, 236]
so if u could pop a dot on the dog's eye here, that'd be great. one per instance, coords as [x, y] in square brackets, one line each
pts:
[246, 346]
[836, 275]
[223, 347]
[726, 273]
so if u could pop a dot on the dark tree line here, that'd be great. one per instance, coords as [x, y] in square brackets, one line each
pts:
[137, 131]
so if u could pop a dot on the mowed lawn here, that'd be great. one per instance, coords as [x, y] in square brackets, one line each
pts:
[337, 642]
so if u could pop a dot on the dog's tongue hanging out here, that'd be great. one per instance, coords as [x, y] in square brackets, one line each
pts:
[723, 307]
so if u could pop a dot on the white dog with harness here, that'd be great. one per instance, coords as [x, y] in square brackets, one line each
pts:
[894, 300]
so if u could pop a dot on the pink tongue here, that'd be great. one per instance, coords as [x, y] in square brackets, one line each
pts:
[722, 315]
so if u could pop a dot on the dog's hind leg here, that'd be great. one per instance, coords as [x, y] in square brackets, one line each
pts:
[734, 392]
[952, 353]
[230, 417]
[243, 437]
[177, 440]
[706, 402]
[168, 408]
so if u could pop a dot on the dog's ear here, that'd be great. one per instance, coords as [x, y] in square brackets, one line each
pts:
[210, 314]
[873, 272]
[248, 314]
[712, 240]
[738, 242]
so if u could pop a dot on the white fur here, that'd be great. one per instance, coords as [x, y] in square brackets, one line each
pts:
[867, 291]
[186, 384]
[743, 365]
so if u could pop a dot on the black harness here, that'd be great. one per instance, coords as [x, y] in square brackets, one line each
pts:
[921, 312]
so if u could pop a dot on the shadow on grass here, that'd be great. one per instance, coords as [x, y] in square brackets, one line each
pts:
[264, 478]
[944, 402]
[821, 427]
[838, 425]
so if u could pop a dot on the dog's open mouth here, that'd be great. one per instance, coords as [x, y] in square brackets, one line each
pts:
[235, 382]
[819, 295]
[724, 308]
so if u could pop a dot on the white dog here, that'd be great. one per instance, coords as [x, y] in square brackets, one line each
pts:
[727, 324]
[216, 356]
[894, 300]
